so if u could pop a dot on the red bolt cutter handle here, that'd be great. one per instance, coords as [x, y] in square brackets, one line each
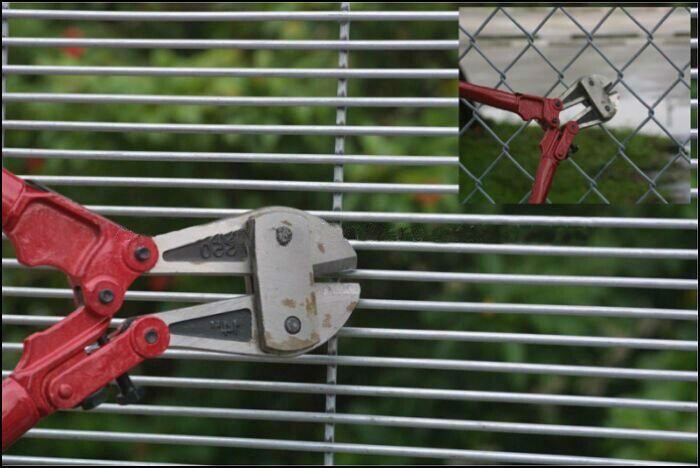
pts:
[19, 413]
[101, 260]
[554, 146]
[544, 110]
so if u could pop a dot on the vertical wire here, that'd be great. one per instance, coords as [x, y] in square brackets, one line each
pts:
[338, 176]
[5, 33]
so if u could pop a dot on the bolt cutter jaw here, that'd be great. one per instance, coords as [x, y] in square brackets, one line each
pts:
[286, 312]
[596, 94]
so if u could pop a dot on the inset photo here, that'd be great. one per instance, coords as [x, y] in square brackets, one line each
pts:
[575, 105]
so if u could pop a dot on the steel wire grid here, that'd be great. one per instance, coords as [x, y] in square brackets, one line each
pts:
[585, 38]
[342, 380]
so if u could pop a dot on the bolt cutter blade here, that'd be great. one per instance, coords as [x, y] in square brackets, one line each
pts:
[222, 247]
[233, 326]
[596, 94]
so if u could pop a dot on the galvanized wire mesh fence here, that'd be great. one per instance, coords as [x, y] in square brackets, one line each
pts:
[499, 43]
[386, 390]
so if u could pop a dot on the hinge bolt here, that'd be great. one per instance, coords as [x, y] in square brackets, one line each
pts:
[142, 254]
[284, 235]
[106, 296]
[65, 391]
[151, 336]
[292, 324]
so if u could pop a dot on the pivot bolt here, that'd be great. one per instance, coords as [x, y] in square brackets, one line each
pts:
[591, 81]
[106, 296]
[142, 254]
[292, 324]
[284, 235]
[151, 336]
[65, 391]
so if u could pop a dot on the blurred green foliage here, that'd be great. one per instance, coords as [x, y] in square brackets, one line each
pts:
[593, 326]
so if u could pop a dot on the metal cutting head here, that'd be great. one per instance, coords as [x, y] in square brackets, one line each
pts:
[596, 94]
[286, 311]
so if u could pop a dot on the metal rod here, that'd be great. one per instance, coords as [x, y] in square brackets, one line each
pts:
[397, 421]
[256, 101]
[384, 304]
[337, 205]
[437, 218]
[276, 185]
[227, 16]
[5, 37]
[334, 73]
[329, 130]
[519, 249]
[314, 446]
[244, 44]
[274, 158]
[452, 335]
[497, 278]
[413, 393]
[524, 249]
[523, 338]
[54, 461]
[540, 280]
[433, 364]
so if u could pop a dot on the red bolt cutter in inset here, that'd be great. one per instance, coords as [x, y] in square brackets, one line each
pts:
[285, 313]
[594, 92]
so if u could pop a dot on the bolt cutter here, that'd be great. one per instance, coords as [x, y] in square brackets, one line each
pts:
[594, 92]
[286, 311]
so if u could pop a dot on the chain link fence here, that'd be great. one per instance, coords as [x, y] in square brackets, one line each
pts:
[644, 158]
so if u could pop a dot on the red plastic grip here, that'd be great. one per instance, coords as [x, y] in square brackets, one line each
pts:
[19, 413]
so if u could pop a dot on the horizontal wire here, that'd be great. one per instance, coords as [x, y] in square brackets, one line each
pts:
[54, 461]
[520, 249]
[397, 421]
[489, 278]
[188, 16]
[245, 44]
[331, 130]
[393, 304]
[521, 338]
[398, 217]
[316, 446]
[451, 335]
[276, 158]
[282, 101]
[539, 280]
[412, 392]
[432, 364]
[335, 73]
[274, 185]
